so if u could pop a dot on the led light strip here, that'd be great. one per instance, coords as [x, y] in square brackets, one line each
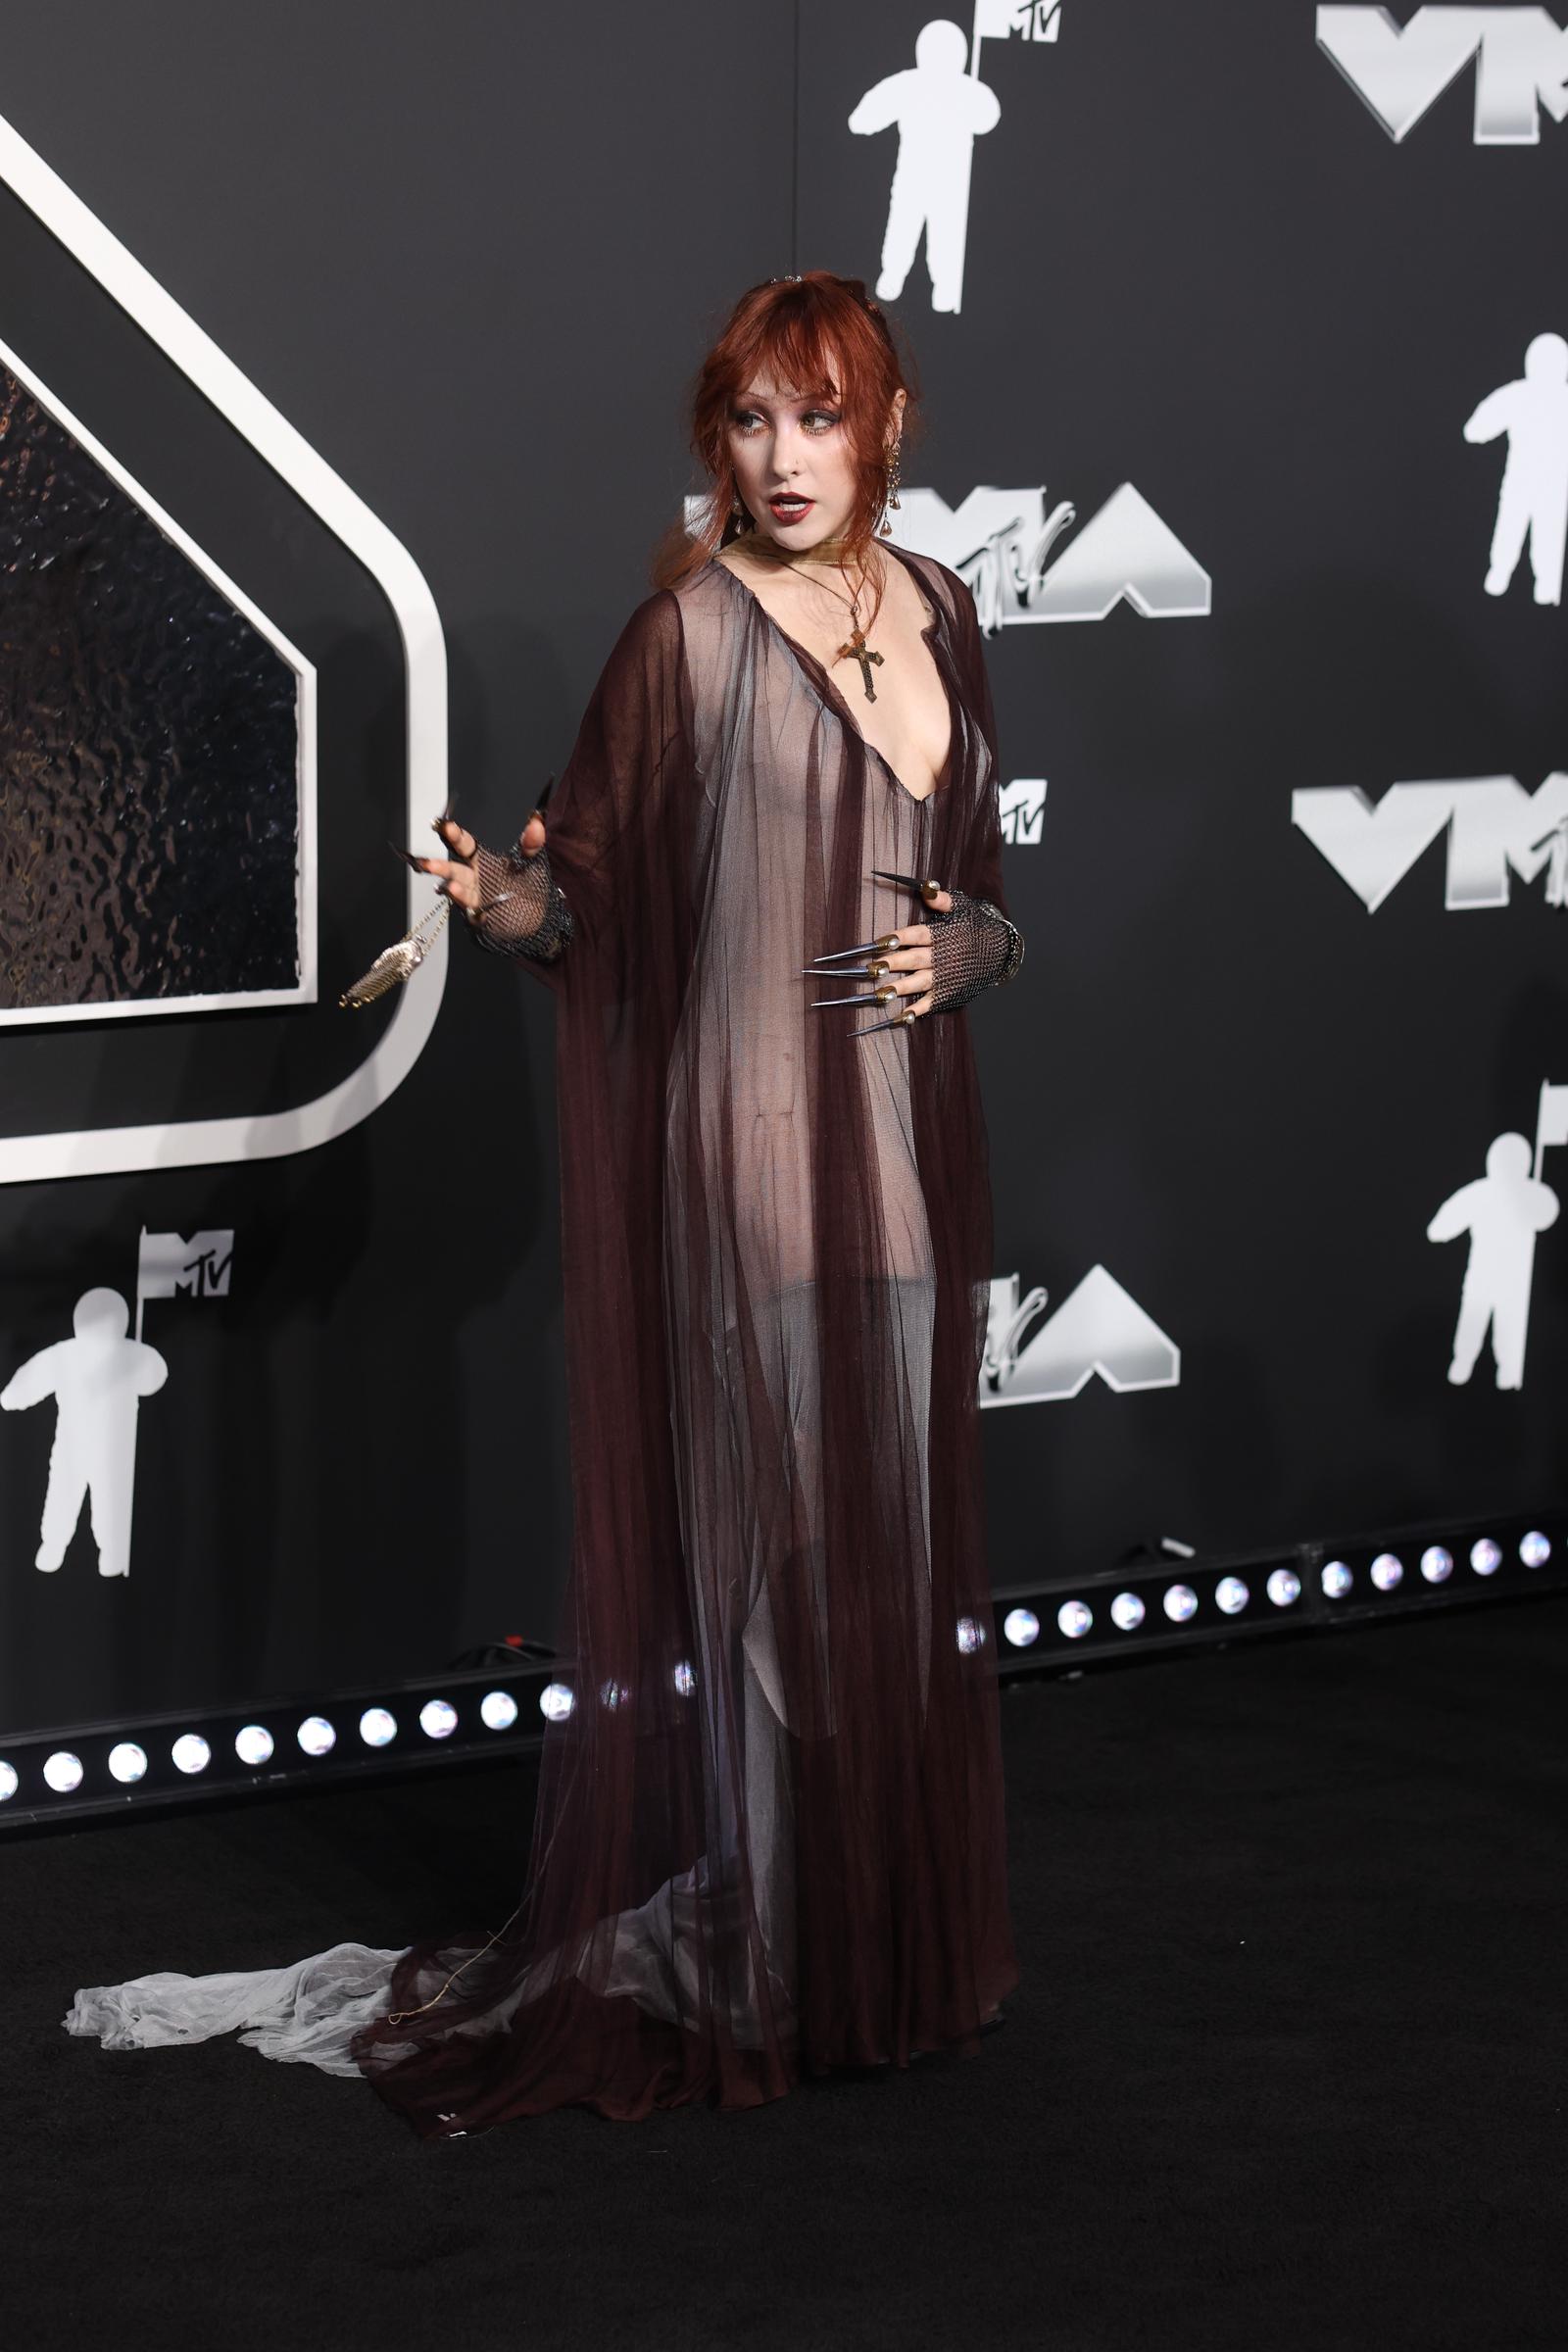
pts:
[1316, 1584]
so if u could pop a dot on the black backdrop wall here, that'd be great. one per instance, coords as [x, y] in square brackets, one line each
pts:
[1266, 1028]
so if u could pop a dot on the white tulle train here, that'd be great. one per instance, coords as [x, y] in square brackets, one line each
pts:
[308, 2011]
[312, 2010]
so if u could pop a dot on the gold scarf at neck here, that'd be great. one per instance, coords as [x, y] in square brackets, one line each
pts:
[826, 551]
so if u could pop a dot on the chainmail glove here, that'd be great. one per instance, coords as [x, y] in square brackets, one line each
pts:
[521, 910]
[973, 946]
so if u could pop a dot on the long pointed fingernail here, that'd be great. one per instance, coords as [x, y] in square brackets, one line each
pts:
[834, 954]
[927, 889]
[900, 1020]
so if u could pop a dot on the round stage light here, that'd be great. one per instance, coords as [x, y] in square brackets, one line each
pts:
[316, 1735]
[253, 1743]
[1126, 1612]
[1021, 1627]
[555, 1702]
[1437, 1564]
[63, 1772]
[127, 1761]
[971, 1635]
[685, 1678]
[1179, 1602]
[1387, 1571]
[1337, 1579]
[1486, 1557]
[9, 1783]
[190, 1752]
[1230, 1595]
[1535, 1549]
[438, 1719]
[1075, 1618]
[498, 1710]
[1284, 1588]
[378, 1727]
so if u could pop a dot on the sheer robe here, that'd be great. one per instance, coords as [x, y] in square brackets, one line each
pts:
[769, 1834]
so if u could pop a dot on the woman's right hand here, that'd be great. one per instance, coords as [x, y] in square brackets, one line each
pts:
[459, 873]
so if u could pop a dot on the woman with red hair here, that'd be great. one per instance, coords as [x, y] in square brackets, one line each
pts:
[769, 1835]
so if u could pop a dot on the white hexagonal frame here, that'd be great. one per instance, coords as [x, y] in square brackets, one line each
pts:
[264, 1135]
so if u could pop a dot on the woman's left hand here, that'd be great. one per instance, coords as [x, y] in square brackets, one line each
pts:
[898, 964]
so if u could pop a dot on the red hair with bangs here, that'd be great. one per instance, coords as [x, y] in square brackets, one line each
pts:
[816, 335]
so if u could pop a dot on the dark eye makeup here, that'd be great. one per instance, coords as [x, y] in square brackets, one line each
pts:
[828, 417]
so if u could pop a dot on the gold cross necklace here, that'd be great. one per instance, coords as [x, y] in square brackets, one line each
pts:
[855, 644]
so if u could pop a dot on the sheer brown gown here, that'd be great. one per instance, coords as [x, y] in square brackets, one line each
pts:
[769, 1835]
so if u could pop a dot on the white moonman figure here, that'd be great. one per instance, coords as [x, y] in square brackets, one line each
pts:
[97, 1379]
[1532, 412]
[1503, 1212]
[940, 110]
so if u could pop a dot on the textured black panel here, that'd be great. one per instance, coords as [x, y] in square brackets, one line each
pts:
[149, 795]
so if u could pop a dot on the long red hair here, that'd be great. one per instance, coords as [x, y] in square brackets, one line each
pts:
[815, 335]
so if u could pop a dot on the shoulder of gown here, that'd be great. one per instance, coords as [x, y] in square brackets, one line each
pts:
[953, 590]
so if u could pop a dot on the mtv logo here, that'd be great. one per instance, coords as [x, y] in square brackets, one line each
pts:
[1000, 542]
[1522, 65]
[998, 19]
[1496, 830]
[1023, 809]
[167, 1264]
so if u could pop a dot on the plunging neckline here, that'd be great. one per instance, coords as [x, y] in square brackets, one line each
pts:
[817, 675]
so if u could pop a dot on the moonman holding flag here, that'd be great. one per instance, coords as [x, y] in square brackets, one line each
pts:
[98, 1379]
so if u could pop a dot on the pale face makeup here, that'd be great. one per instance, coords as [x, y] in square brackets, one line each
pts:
[793, 464]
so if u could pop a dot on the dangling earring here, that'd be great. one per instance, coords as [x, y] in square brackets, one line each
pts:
[890, 495]
[739, 519]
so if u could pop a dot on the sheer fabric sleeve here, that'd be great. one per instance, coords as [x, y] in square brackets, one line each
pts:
[976, 945]
[567, 900]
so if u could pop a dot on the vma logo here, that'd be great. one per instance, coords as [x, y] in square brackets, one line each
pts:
[1098, 1328]
[1521, 66]
[1496, 830]
[1001, 543]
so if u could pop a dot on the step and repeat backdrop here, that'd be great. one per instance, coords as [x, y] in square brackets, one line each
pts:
[342, 362]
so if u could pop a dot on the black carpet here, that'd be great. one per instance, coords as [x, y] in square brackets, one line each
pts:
[1286, 2068]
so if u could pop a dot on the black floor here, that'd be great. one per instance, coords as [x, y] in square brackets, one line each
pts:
[1285, 2068]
